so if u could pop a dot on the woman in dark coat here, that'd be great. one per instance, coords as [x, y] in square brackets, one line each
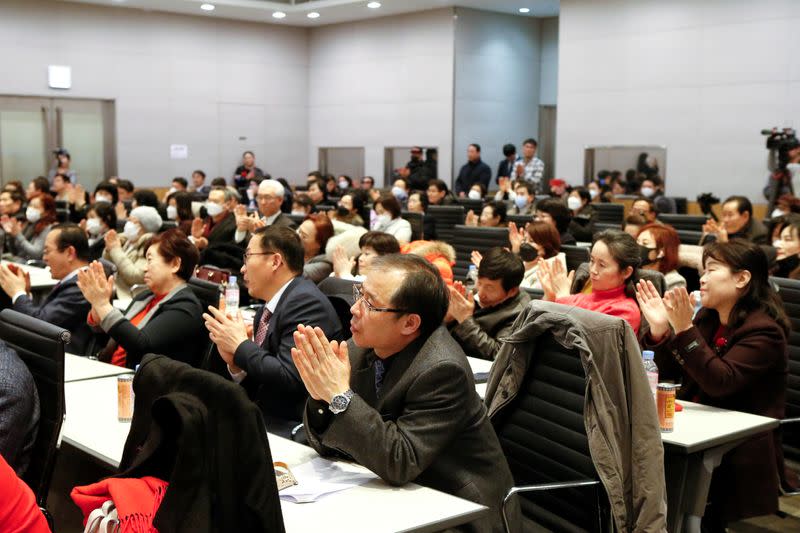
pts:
[732, 355]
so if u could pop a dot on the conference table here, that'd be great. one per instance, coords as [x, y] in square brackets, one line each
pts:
[77, 368]
[92, 427]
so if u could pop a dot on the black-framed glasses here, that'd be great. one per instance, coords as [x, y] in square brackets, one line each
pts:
[248, 254]
[358, 297]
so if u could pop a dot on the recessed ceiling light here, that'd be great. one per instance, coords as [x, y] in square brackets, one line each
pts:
[374, 5]
[279, 15]
[524, 10]
[313, 15]
[207, 7]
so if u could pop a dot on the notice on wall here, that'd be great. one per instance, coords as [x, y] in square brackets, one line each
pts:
[178, 151]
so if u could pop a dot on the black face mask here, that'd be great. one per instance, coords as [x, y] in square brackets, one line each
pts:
[644, 254]
[342, 211]
[527, 252]
[203, 212]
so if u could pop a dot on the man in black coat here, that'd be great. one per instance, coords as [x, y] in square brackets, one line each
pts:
[273, 272]
[475, 171]
[66, 251]
[19, 409]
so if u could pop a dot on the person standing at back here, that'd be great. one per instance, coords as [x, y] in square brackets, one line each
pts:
[530, 168]
[475, 171]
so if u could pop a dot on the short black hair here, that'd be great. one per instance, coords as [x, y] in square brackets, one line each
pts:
[200, 172]
[183, 203]
[180, 180]
[219, 182]
[126, 185]
[583, 192]
[15, 196]
[390, 204]
[303, 199]
[524, 183]
[146, 197]
[423, 199]
[499, 209]
[556, 209]
[370, 178]
[530, 140]
[440, 185]
[106, 213]
[502, 264]
[248, 152]
[742, 204]
[315, 174]
[476, 146]
[71, 234]
[110, 188]
[650, 203]
[284, 241]
[41, 184]
[509, 149]
[174, 243]
[382, 243]
[422, 292]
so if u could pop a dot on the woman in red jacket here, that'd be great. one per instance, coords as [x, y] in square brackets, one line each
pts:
[18, 510]
[732, 354]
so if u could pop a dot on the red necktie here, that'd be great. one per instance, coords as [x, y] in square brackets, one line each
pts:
[263, 324]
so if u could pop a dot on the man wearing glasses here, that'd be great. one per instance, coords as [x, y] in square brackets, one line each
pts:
[399, 397]
[273, 264]
[269, 197]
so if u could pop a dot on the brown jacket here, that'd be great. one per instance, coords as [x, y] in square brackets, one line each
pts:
[749, 375]
[619, 412]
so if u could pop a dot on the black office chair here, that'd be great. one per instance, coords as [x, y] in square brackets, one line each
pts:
[689, 236]
[167, 224]
[41, 346]
[208, 294]
[576, 255]
[520, 220]
[684, 222]
[446, 217]
[297, 219]
[603, 226]
[610, 213]
[543, 436]
[680, 204]
[468, 238]
[470, 204]
[417, 221]
[340, 294]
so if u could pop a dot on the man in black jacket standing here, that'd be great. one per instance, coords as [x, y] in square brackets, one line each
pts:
[273, 267]
[475, 171]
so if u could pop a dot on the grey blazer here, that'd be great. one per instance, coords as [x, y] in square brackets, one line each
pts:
[428, 425]
[19, 409]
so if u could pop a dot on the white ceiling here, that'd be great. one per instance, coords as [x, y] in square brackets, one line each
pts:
[331, 11]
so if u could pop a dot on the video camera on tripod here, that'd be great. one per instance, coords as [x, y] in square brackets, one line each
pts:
[782, 144]
[782, 141]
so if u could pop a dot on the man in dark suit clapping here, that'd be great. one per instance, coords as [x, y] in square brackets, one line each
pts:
[273, 268]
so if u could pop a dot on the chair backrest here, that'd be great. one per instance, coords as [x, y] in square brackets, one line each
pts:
[681, 204]
[684, 222]
[576, 255]
[41, 346]
[610, 213]
[167, 224]
[321, 208]
[789, 292]
[417, 221]
[469, 203]
[340, 294]
[468, 238]
[208, 294]
[543, 436]
[520, 220]
[603, 226]
[447, 217]
[689, 237]
[297, 219]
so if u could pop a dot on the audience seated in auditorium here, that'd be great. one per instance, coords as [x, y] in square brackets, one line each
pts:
[418, 203]
[403, 385]
[732, 355]
[179, 210]
[658, 245]
[314, 233]
[179, 184]
[523, 197]
[219, 227]
[15, 186]
[199, 183]
[581, 226]
[371, 244]
[66, 251]
[11, 203]
[19, 410]
[476, 192]
[559, 189]
[270, 198]
[400, 190]
[737, 223]
[39, 185]
[317, 193]
[474, 171]
[61, 188]
[367, 183]
[344, 183]
[529, 167]
[438, 194]
[653, 188]
[302, 205]
[124, 190]
[537, 241]
[100, 219]
[348, 209]
[610, 287]
[18, 508]
[479, 326]
[645, 208]
[438, 253]
[633, 224]
[28, 242]
[166, 319]
[127, 251]
[247, 170]
[787, 264]
[388, 219]
[595, 191]
[272, 271]
[557, 214]
[493, 215]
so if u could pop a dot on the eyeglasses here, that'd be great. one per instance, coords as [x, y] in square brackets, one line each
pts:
[358, 297]
[247, 255]
[266, 197]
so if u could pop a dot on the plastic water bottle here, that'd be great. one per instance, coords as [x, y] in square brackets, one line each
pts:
[232, 296]
[472, 278]
[652, 371]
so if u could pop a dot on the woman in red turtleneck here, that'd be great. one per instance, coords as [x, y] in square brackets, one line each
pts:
[610, 288]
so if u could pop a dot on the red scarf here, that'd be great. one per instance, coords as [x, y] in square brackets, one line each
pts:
[136, 499]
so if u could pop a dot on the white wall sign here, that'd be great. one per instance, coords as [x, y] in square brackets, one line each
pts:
[178, 151]
[59, 77]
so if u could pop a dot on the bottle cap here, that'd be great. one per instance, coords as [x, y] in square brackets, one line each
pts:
[648, 354]
[231, 279]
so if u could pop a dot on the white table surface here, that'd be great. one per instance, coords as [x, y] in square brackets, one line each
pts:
[40, 277]
[91, 425]
[78, 368]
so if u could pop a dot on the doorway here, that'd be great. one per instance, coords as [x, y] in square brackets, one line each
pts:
[32, 128]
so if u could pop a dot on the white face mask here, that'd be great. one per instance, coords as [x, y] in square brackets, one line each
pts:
[593, 193]
[399, 193]
[382, 220]
[131, 230]
[343, 184]
[298, 212]
[171, 190]
[33, 215]
[474, 195]
[213, 209]
[574, 203]
[647, 192]
[102, 199]
[172, 212]
[776, 213]
[93, 226]
[777, 243]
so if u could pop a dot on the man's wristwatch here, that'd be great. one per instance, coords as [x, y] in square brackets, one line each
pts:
[341, 402]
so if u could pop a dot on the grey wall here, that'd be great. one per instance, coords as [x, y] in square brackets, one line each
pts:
[548, 86]
[497, 62]
[701, 78]
[175, 79]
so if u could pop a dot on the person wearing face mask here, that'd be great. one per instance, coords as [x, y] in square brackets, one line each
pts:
[179, 210]
[787, 264]
[595, 190]
[388, 220]
[653, 188]
[219, 227]
[345, 183]
[476, 192]
[524, 196]
[400, 190]
[127, 251]
[536, 242]
[302, 205]
[348, 209]
[28, 243]
[658, 246]
[100, 219]
[581, 226]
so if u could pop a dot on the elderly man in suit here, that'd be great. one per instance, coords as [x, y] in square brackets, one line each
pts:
[400, 398]
[19, 410]
[219, 226]
[273, 268]
[66, 251]
[270, 198]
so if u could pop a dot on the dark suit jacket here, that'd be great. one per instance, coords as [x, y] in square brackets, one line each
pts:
[224, 231]
[504, 169]
[749, 375]
[19, 409]
[480, 334]
[65, 307]
[472, 173]
[428, 425]
[280, 391]
[284, 221]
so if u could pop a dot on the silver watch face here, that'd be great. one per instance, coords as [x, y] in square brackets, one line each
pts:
[339, 403]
